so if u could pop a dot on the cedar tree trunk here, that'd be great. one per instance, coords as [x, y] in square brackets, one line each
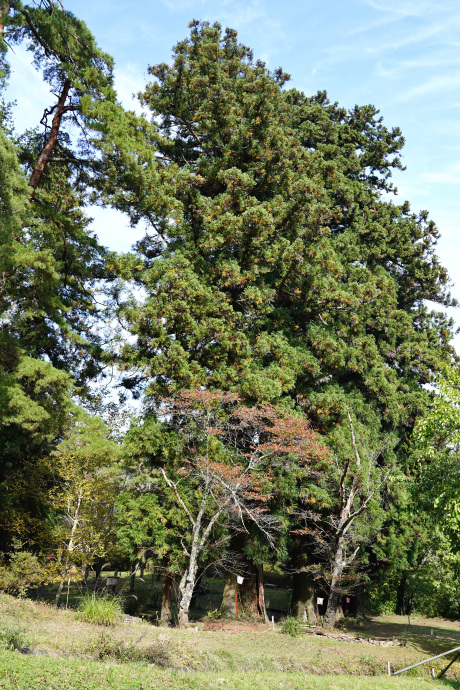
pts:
[165, 617]
[334, 593]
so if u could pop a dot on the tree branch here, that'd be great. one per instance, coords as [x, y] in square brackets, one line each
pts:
[174, 488]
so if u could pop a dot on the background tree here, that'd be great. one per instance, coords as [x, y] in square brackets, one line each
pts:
[276, 266]
[86, 486]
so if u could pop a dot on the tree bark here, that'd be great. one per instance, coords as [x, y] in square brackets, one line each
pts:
[227, 606]
[4, 10]
[51, 143]
[334, 593]
[165, 617]
[261, 593]
[186, 589]
[251, 592]
[303, 597]
[303, 591]
[59, 592]
[132, 578]
[359, 598]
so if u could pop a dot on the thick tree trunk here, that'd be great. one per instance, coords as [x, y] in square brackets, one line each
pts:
[334, 593]
[165, 617]
[303, 597]
[359, 599]
[51, 143]
[303, 586]
[251, 592]
[227, 606]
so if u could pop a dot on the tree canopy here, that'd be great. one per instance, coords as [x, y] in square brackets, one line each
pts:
[279, 269]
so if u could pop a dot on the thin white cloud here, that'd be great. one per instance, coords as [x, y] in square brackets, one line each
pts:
[410, 8]
[395, 68]
[182, 5]
[449, 175]
[429, 87]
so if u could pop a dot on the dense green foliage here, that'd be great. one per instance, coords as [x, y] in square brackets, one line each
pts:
[276, 271]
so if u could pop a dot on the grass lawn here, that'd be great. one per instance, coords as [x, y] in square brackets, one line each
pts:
[43, 673]
[136, 654]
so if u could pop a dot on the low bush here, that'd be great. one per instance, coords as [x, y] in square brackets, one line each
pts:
[291, 626]
[105, 646]
[100, 609]
[12, 638]
[21, 571]
[138, 603]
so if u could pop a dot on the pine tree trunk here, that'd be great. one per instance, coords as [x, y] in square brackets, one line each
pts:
[4, 10]
[165, 616]
[51, 143]
[334, 592]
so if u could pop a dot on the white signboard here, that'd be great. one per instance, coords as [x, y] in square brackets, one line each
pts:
[319, 601]
[239, 579]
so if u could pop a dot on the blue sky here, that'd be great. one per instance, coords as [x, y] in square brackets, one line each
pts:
[401, 55]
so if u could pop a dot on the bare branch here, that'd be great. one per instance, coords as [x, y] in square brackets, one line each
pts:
[174, 488]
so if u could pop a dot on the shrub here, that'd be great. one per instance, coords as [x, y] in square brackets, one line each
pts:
[23, 571]
[139, 602]
[100, 609]
[12, 638]
[104, 646]
[291, 626]
[159, 653]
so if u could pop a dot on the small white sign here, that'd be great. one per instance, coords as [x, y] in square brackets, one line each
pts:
[112, 581]
[319, 601]
[239, 579]
[347, 599]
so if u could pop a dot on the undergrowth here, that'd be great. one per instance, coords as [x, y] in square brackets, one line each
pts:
[100, 610]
